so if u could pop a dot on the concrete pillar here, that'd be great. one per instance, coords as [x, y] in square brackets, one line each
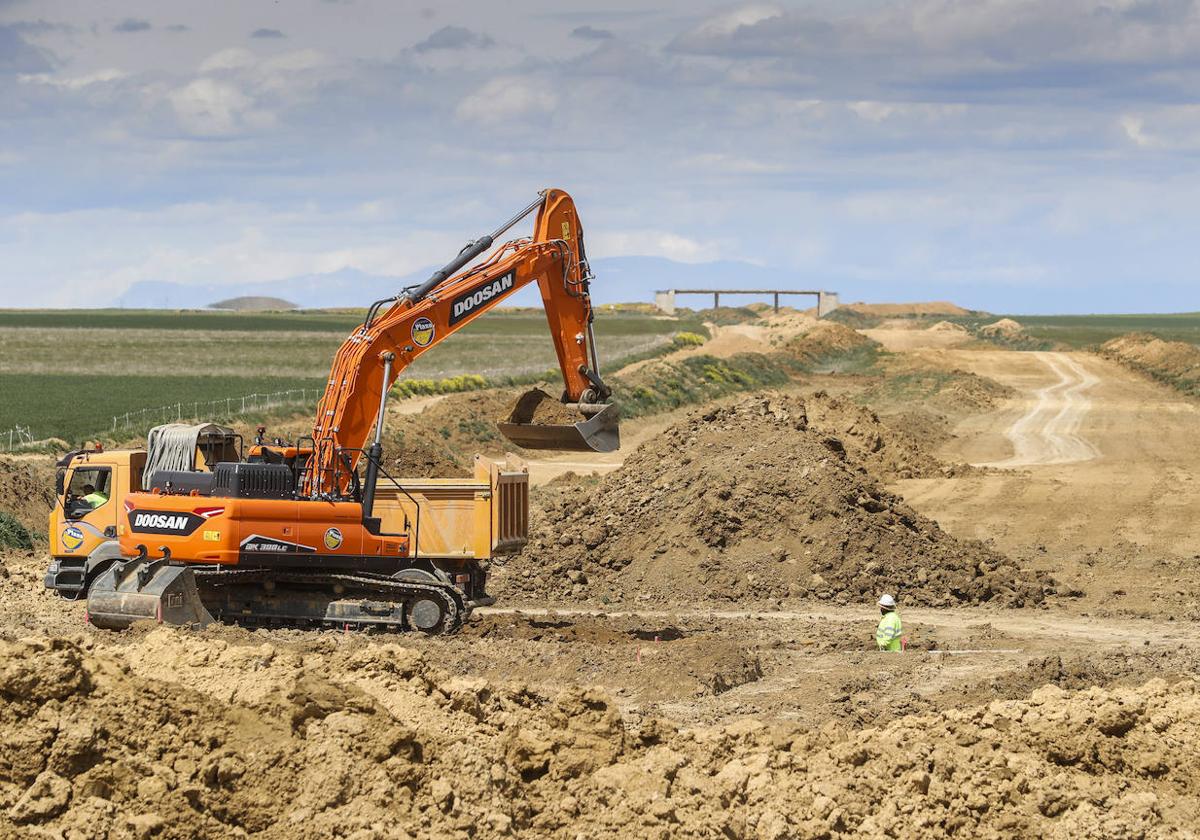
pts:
[665, 301]
[777, 301]
[716, 300]
[826, 303]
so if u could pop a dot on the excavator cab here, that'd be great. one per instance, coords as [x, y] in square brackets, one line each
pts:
[538, 421]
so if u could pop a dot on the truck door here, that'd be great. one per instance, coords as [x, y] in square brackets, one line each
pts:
[89, 510]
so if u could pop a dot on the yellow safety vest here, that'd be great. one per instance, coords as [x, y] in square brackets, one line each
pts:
[95, 499]
[887, 634]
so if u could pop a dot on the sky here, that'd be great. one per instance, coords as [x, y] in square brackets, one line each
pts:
[1014, 155]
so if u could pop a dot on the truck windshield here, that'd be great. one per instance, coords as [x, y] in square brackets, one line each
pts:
[89, 489]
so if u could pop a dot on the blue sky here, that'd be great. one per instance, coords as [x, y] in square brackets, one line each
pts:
[1007, 154]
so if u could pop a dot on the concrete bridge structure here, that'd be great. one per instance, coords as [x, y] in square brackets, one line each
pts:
[826, 301]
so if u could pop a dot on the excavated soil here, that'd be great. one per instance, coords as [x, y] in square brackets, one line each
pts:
[748, 503]
[180, 736]
[540, 409]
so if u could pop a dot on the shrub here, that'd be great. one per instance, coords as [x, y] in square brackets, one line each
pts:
[13, 533]
[687, 339]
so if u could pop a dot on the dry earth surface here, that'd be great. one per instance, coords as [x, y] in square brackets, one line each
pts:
[724, 686]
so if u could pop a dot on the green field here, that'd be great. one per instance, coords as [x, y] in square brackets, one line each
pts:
[66, 374]
[1091, 330]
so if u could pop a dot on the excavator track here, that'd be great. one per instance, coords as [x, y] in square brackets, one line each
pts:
[359, 601]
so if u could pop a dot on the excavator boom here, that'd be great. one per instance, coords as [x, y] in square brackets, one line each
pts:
[399, 330]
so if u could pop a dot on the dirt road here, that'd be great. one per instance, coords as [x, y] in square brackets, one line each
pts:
[1106, 484]
[1048, 432]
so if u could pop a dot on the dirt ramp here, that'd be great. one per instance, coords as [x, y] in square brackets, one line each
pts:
[752, 502]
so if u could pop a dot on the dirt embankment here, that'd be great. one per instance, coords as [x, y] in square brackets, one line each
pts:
[27, 490]
[1175, 362]
[362, 742]
[751, 502]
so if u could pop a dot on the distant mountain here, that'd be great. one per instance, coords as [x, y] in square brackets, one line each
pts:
[618, 280]
[253, 304]
[345, 287]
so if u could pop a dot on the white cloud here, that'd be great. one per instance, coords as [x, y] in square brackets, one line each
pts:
[653, 243]
[233, 58]
[507, 98]
[728, 23]
[1167, 128]
[198, 244]
[878, 112]
[109, 74]
[731, 164]
[211, 108]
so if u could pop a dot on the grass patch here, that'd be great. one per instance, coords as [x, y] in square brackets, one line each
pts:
[76, 407]
[57, 367]
[856, 360]
[669, 385]
[1081, 331]
[158, 319]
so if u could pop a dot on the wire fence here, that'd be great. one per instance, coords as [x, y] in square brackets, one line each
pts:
[15, 438]
[227, 407]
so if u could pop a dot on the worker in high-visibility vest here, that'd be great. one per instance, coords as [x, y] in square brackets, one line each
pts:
[93, 497]
[887, 634]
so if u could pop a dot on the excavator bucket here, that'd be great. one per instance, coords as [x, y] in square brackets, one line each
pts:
[146, 590]
[538, 421]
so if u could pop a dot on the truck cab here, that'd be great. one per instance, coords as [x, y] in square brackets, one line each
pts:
[90, 490]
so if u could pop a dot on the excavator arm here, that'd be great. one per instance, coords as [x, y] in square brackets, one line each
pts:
[399, 330]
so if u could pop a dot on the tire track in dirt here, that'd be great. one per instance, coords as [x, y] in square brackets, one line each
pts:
[1048, 433]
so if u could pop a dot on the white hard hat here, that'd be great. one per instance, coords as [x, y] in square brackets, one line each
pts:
[887, 601]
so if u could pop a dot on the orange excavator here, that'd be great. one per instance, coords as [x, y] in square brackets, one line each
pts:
[316, 532]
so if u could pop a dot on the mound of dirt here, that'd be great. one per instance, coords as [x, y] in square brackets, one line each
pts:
[259, 739]
[887, 452]
[913, 385]
[827, 339]
[899, 310]
[751, 502]
[947, 327]
[27, 490]
[1004, 328]
[1176, 362]
[424, 459]
[453, 429]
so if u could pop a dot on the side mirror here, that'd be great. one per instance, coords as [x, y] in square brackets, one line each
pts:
[60, 482]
